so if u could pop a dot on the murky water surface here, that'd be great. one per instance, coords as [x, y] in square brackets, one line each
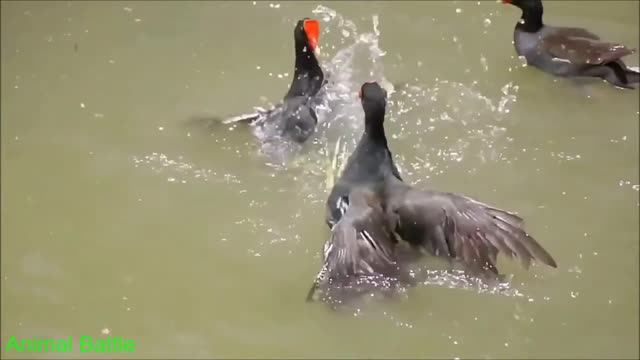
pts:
[120, 216]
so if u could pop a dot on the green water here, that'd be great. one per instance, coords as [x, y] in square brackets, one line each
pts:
[117, 217]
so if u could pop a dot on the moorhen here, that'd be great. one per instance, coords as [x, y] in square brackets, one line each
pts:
[444, 224]
[295, 117]
[568, 51]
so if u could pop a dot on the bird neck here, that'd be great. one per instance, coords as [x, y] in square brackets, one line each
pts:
[308, 76]
[374, 127]
[531, 19]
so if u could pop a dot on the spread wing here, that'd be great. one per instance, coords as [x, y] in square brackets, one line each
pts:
[360, 245]
[579, 46]
[455, 226]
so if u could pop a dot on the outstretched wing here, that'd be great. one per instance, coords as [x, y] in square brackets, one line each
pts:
[455, 226]
[579, 46]
[360, 245]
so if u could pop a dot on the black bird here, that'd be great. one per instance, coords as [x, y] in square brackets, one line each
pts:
[568, 51]
[444, 224]
[295, 117]
[360, 253]
[371, 161]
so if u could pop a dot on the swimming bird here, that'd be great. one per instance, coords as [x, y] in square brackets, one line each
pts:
[444, 224]
[569, 51]
[295, 117]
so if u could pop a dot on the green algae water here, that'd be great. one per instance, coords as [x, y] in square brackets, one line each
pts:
[121, 221]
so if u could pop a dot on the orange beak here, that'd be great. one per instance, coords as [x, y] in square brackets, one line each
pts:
[312, 29]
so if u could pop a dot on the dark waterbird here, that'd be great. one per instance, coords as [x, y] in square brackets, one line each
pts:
[569, 51]
[294, 118]
[371, 208]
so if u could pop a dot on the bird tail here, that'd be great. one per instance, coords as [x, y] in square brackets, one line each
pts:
[211, 121]
[312, 291]
[311, 295]
[633, 75]
[242, 118]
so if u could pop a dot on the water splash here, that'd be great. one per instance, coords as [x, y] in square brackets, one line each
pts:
[357, 61]
[467, 119]
[340, 119]
[179, 171]
[348, 58]
[465, 122]
[458, 279]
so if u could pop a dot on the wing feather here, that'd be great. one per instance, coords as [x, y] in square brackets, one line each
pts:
[576, 32]
[582, 50]
[472, 232]
[361, 245]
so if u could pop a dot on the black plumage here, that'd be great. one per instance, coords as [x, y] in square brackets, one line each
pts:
[360, 253]
[295, 117]
[569, 51]
[444, 224]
